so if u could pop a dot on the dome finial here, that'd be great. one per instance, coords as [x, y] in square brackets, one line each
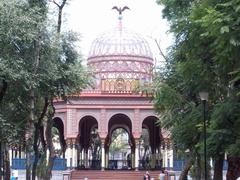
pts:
[120, 10]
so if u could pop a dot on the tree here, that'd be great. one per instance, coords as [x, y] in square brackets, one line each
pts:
[145, 142]
[36, 66]
[95, 145]
[19, 27]
[118, 141]
[204, 56]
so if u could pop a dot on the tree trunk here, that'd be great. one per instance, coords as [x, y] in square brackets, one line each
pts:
[60, 8]
[198, 168]
[3, 89]
[59, 20]
[185, 170]
[36, 139]
[7, 173]
[29, 135]
[30, 123]
[1, 160]
[50, 146]
[233, 171]
[218, 168]
[36, 151]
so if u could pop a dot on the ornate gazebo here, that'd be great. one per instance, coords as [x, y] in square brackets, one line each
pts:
[121, 61]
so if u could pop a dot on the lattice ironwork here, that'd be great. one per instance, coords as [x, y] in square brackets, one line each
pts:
[120, 42]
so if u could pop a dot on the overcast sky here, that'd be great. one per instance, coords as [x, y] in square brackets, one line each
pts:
[91, 18]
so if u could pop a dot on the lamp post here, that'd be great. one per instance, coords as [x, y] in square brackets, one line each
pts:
[204, 99]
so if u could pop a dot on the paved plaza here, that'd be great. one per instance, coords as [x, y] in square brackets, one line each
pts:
[58, 175]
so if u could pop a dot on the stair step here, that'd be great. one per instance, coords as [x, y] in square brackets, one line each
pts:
[113, 175]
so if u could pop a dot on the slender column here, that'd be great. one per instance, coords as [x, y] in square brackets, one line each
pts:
[170, 154]
[136, 154]
[78, 155]
[71, 154]
[103, 156]
[10, 156]
[81, 157]
[86, 158]
[211, 163]
[107, 157]
[153, 159]
[20, 152]
[74, 154]
[163, 151]
[23, 154]
[133, 159]
[89, 158]
[160, 157]
[68, 153]
[47, 155]
[167, 154]
[15, 152]
[166, 158]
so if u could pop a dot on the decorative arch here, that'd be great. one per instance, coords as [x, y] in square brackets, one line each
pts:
[62, 118]
[148, 115]
[59, 124]
[154, 132]
[85, 125]
[82, 115]
[128, 114]
[120, 119]
[116, 126]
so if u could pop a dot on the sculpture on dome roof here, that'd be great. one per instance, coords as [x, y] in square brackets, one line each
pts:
[120, 10]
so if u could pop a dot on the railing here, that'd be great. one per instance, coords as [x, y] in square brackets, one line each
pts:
[20, 164]
[178, 165]
[119, 164]
[91, 164]
[95, 164]
[225, 165]
[147, 164]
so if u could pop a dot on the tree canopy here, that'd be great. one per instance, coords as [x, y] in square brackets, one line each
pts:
[204, 57]
[38, 63]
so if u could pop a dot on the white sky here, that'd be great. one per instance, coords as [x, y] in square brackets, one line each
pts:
[91, 18]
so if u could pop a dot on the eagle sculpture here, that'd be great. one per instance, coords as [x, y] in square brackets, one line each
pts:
[120, 10]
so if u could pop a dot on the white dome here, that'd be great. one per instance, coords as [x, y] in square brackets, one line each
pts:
[120, 42]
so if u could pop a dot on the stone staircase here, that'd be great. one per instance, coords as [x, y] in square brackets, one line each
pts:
[111, 175]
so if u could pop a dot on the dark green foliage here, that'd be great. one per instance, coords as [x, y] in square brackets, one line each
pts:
[205, 56]
[225, 128]
[36, 64]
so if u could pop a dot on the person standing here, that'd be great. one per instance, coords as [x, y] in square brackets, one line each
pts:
[146, 176]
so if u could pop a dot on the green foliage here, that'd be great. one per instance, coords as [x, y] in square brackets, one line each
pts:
[95, 143]
[175, 9]
[35, 59]
[10, 133]
[119, 141]
[145, 142]
[205, 56]
[41, 168]
[224, 130]
[145, 138]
